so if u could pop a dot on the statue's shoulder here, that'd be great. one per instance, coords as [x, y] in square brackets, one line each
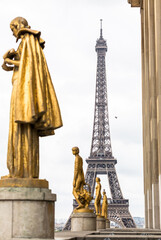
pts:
[35, 33]
[22, 31]
[78, 158]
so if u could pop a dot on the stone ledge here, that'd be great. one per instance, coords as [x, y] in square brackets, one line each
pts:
[24, 182]
[34, 239]
[134, 3]
[21, 194]
[83, 215]
[113, 234]
[66, 238]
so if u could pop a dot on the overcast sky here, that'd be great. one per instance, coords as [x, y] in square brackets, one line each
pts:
[70, 29]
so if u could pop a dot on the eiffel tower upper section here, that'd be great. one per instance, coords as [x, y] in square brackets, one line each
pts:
[101, 141]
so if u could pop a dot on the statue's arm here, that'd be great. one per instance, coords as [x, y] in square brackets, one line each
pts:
[99, 188]
[76, 167]
[96, 191]
[83, 178]
[8, 55]
[12, 62]
[82, 172]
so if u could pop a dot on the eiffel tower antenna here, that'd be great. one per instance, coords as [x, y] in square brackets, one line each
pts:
[100, 28]
[101, 160]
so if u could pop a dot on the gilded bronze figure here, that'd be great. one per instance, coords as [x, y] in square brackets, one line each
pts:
[104, 205]
[34, 109]
[82, 196]
[97, 203]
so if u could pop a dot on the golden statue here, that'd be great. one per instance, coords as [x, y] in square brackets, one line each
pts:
[104, 205]
[82, 196]
[97, 203]
[34, 109]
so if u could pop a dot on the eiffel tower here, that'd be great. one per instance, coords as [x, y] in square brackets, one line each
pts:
[101, 160]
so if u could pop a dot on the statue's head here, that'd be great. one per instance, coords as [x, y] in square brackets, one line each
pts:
[75, 150]
[104, 192]
[18, 23]
[98, 179]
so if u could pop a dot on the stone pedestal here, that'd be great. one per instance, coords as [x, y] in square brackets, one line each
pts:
[100, 223]
[107, 223]
[26, 213]
[83, 221]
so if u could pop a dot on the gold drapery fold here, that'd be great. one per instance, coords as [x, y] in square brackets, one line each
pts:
[23, 146]
[34, 107]
[36, 101]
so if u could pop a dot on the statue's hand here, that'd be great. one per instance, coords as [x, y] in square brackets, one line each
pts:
[9, 54]
[6, 68]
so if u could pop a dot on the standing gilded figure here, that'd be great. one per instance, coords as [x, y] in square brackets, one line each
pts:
[97, 203]
[82, 196]
[104, 205]
[34, 109]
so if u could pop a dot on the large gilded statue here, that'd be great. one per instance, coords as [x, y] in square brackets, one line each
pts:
[104, 205]
[97, 203]
[82, 196]
[34, 109]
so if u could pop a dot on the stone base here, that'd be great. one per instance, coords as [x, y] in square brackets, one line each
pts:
[107, 224]
[83, 221]
[26, 213]
[24, 182]
[100, 223]
[83, 210]
[32, 239]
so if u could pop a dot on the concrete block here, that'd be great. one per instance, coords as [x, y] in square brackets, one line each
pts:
[100, 223]
[83, 222]
[26, 213]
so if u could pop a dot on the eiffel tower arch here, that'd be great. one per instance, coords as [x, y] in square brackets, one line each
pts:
[101, 160]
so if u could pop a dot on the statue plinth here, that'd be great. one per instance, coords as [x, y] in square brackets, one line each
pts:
[26, 213]
[83, 221]
[24, 182]
[100, 222]
[107, 223]
[83, 210]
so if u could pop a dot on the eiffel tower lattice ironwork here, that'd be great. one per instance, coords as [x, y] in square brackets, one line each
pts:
[101, 160]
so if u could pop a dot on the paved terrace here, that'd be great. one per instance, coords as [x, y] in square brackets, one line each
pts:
[109, 234]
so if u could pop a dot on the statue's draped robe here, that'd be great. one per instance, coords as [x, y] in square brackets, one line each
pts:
[104, 206]
[34, 107]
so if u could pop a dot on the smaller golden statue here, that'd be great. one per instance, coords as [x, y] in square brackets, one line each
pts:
[97, 203]
[104, 205]
[82, 196]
